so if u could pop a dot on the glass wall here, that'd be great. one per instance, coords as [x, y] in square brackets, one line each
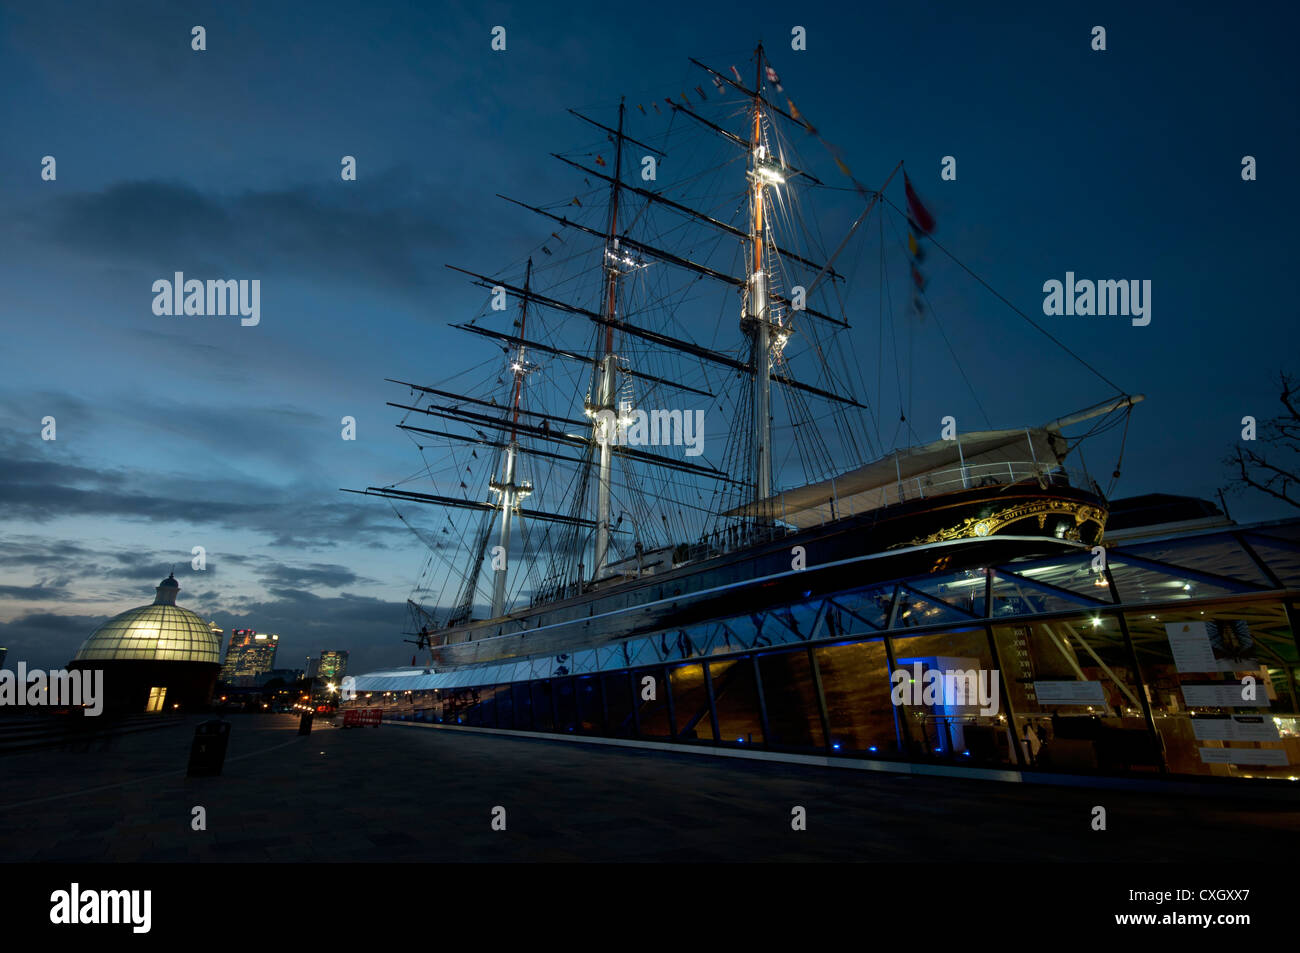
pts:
[652, 703]
[855, 684]
[618, 704]
[1075, 703]
[948, 690]
[794, 718]
[1221, 681]
[735, 693]
[1144, 668]
[691, 707]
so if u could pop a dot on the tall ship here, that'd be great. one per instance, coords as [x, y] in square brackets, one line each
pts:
[684, 412]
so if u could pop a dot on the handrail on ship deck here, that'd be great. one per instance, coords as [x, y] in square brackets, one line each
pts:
[997, 474]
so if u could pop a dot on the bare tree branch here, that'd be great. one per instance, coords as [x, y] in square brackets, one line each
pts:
[1280, 435]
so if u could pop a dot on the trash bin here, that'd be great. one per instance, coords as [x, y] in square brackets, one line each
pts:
[208, 753]
[304, 723]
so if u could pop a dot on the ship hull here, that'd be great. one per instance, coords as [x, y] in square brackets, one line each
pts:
[963, 529]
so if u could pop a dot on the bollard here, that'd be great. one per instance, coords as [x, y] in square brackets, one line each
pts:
[208, 752]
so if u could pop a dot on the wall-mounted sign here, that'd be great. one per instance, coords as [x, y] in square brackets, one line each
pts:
[1223, 695]
[1216, 646]
[1269, 756]
[1070, 693]
[1235, 728]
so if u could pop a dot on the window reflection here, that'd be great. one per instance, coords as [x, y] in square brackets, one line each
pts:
[618, 702]
[855, 682]
[691, 703]
[793, 718]
[735, 692]
[652, 702]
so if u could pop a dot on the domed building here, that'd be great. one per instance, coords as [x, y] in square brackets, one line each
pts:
[155, 657]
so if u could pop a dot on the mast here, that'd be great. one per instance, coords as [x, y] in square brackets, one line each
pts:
[510, 492]
[607, 367]
[756, 314]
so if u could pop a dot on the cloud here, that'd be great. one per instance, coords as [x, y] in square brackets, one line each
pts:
[284, 435]
[37, 592]
[39, 552]
[317, 574]
[41, 490]
[46, 639]
[153, 567]
[384, 232]
[369, 629]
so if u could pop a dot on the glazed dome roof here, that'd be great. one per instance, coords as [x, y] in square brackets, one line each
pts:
[162, 632]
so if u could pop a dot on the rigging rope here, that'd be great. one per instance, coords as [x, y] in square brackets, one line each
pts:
[1028, 320]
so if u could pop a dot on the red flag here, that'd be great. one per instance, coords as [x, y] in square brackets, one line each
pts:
[920, 214]
[412, 659]
[918, 279]
[774, 79]
[736, 72]
[701, 92]
[600, 161]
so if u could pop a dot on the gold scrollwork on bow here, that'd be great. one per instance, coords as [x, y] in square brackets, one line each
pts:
[976, 527]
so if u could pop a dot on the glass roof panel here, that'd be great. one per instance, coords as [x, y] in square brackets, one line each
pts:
[1220, 555]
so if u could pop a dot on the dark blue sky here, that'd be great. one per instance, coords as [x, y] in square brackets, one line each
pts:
[181, 432]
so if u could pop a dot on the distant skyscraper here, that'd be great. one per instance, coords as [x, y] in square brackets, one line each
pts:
[332, 665]
[3, 653]
[250, 653]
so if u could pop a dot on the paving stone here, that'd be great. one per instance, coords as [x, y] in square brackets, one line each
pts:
[411, 795]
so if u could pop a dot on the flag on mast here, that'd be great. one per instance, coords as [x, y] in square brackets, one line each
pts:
[920, 214]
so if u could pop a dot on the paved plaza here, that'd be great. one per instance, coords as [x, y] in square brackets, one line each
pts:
[419, 794]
